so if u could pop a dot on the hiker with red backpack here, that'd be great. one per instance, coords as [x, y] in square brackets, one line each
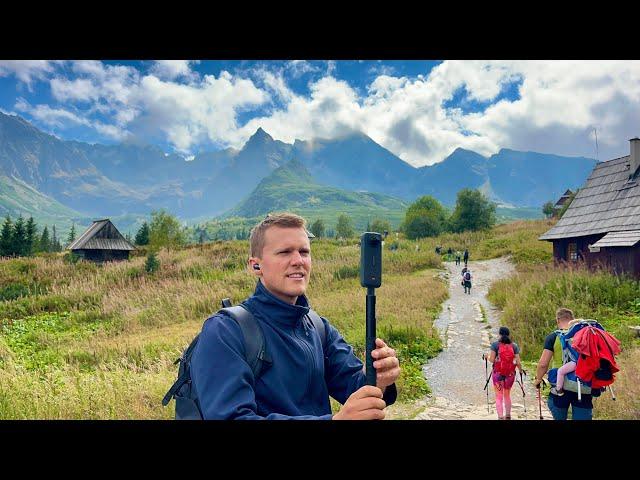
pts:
[592, 349]
[505, 356]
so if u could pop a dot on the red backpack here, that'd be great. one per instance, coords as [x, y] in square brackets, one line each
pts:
[504, 363]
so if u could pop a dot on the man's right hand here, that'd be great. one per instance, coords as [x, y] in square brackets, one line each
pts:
[536, 384]
[364, 404]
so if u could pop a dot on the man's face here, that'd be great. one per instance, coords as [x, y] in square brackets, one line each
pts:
[285, 264]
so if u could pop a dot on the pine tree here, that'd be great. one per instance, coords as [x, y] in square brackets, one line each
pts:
[55, 243]
[142, 237]
[5, 237]
[32, 236]
[72, 234]
[19, 237]
[44, 245]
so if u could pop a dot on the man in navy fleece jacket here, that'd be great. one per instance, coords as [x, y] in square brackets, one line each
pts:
[302, 377]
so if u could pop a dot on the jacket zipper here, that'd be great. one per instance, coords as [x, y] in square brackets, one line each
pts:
[307, 350]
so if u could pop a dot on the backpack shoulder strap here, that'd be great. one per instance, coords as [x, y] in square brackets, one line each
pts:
[256, 351]
[319, 326]
[185, 373]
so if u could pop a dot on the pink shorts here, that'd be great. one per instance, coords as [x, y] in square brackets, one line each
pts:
[503, 382]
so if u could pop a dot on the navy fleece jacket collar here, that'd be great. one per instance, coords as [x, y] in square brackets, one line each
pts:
[269, 307]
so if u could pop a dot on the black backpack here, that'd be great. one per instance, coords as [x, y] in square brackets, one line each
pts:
[187, 404]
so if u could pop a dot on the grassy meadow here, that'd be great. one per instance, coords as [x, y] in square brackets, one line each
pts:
[87, 341]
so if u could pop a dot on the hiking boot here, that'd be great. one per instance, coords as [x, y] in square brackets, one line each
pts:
[507, 417]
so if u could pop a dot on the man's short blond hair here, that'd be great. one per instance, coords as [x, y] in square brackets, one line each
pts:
[564, 314]
[282, 220]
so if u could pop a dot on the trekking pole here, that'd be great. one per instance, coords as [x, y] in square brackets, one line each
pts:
[486, 372]
[539, 387]
[370, 277]
[539, 400]
[523, 397]
[612, 394]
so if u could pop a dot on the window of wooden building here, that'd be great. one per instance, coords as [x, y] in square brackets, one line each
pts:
[573, 252]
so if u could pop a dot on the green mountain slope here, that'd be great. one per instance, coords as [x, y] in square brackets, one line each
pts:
[17, 197]
[292, 188]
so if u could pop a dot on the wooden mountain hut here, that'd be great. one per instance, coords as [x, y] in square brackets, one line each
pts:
[602, 225]
[102, 242]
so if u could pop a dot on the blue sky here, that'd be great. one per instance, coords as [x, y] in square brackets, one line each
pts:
[420, 110]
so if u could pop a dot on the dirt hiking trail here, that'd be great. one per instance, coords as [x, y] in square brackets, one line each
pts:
[457, 375]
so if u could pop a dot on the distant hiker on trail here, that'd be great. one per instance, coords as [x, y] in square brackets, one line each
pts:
[438, 249]
[505, 356]
[466, 257]
[449, 253]
[306, 360]
[458, 255]
[466, 280]
[581, 409]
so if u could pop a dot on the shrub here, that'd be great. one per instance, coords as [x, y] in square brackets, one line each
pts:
[152, 264]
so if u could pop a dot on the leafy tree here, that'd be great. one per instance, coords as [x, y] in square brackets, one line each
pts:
[318, 228]
[567, 203]
[165, 231]
[344, 227]
[6, 237]
[547, 209]
[473, 212]
[142, 237]
[422, 226]
[31, 236]
[380, 226]
[426, 217]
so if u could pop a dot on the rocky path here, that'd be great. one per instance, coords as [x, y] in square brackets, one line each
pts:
[457, 374]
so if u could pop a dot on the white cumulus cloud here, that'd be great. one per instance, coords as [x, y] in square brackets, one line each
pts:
[173, 69]
[27, 70]
[557, 107]
[54, 117]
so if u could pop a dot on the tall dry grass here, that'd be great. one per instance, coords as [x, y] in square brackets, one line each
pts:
[98, 341]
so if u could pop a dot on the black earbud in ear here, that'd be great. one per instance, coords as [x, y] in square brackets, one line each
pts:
[256, 266]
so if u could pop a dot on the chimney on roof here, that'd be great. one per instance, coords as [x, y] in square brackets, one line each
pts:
[634, 159]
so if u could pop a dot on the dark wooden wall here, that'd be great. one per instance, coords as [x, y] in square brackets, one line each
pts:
[103, 255]
[617, 260]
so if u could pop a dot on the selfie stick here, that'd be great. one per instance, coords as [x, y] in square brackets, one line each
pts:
[370, 277]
